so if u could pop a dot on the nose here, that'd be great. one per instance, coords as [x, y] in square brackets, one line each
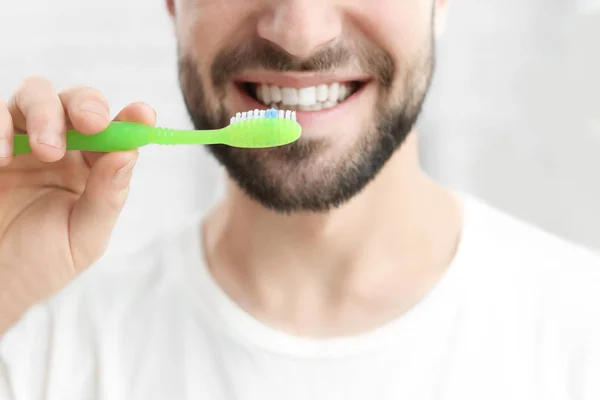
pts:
[301, 27]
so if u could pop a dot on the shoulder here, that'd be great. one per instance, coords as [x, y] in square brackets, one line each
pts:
[533, 283]
[521, 263]
[514, 240]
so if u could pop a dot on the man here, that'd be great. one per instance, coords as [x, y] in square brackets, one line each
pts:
[334, 268]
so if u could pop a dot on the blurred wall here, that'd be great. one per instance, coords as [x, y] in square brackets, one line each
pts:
[514, 113]
[513, 116]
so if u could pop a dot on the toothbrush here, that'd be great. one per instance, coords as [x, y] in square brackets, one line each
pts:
[252, 129]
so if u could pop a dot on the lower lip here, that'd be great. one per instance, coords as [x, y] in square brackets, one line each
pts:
[313, 119]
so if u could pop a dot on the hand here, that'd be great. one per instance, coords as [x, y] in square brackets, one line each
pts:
[57, 209]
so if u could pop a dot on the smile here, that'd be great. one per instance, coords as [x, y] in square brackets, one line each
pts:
[308, 98]
[323, 103]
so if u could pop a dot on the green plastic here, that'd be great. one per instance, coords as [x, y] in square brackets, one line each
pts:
[122, 136]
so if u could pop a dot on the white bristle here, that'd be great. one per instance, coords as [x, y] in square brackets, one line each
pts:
[257, 114]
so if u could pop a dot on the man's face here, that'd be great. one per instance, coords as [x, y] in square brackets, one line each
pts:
[356, 71]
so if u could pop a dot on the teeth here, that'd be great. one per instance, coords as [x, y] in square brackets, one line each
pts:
[275, 94]
[307, 96]
[311, 98]
[265, 90]
[322, 93]
[343, 92]
[290, 96]
[334, 92]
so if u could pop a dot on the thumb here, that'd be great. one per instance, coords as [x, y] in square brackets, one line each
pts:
[95, 214]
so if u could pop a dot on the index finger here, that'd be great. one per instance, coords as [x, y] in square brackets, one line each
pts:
[36, 109]
[86, 108]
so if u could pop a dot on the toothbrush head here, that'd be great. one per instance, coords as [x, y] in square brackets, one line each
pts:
[263, 128]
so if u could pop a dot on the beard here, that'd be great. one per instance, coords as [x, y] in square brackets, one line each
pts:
[302, 176]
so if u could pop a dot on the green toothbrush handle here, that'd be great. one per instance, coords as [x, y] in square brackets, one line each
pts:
[119, 136]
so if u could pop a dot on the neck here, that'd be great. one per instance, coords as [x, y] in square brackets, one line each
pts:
[396, 236]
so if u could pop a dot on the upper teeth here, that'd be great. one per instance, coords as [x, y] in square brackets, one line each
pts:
[307, 98]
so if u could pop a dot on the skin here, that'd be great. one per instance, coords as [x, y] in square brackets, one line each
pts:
[321, 269]
[340, 269]
[57, 210]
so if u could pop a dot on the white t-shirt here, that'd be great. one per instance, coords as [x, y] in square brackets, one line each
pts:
[515, 317]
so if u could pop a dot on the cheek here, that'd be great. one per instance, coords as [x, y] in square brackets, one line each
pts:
[402, 29]
[199, 30]
[206, 27]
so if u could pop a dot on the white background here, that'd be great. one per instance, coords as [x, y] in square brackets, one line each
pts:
[514, 115]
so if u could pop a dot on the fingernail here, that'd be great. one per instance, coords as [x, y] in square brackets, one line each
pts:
[94, 107]
[50, 139]
[124, 173]
[5, 150]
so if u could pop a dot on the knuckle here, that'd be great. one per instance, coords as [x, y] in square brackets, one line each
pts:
[93, 95]
[34, 92]
[79, 94]
[92, 92]
[84, 102]
[41, 108]
[38, 83]
[45, 118]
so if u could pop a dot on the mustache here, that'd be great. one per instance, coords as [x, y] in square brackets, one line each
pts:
[259, 53]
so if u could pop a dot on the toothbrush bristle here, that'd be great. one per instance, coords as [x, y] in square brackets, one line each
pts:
[258, 114]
